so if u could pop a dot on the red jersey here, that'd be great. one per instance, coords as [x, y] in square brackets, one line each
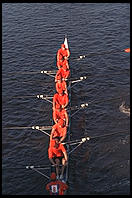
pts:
[64, 64]
[64, 73]
[62, 114]
[60, 99]
[56, 187]
[61, 86]
[58, 131]
[62, 53]
[56, 152]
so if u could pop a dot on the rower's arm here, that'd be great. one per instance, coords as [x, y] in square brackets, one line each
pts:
[53, 103]
[58, 54]
[51, 135]
[65, 156]
[55, 117]
[68, 53]
[61, 140]
[64, 134]
[67, 101]
[67, 119]
[65, 88]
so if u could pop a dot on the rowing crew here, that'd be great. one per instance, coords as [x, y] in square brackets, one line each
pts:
[57, 153]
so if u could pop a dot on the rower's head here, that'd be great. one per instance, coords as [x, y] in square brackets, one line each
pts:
[53, 176]
[63, 46]
[59, 77]
[61, 123]
[57, 141]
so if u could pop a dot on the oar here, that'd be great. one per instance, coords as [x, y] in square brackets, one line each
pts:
[84, 139]
[30, 127]
[41, 166]
[80, 143]
[44, 97]
[84, 105]
[36, 170]
[49, 74]
[81, 106]
[93, 102]
[127, 50]
[38, 167]
[29, 167]
[33, 72]
[78, 80]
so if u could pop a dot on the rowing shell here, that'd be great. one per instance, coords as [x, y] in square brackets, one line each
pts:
[66, 171]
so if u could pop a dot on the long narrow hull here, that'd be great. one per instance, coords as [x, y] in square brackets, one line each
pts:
[66, 171]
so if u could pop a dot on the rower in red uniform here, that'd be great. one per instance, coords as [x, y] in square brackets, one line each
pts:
[62, 53]
[60, 98]
[64, 72]
[56, 187]
[57, 155]
[59, 130]
[60, 113]
[65, 63]
[61, 84]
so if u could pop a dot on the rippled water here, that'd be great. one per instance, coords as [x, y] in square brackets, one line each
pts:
[31, 36]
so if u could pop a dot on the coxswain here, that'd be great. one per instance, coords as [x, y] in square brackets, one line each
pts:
[60, 98]
[56, 187]
[61, 84]
[62, 53]
[57, 155]
[59, 130]
[60, 113]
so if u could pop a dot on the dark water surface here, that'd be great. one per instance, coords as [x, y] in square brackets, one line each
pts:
[31, 35]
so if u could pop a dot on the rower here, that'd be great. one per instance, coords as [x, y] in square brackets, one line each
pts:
[65, 63]
[64, 72]
[57, 155]
[60, 113]
[62, 53]
[56, 187]
[61, 84]
[60, 98]
[59, 129]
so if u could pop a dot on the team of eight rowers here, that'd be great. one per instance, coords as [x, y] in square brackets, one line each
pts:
[57, 153]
